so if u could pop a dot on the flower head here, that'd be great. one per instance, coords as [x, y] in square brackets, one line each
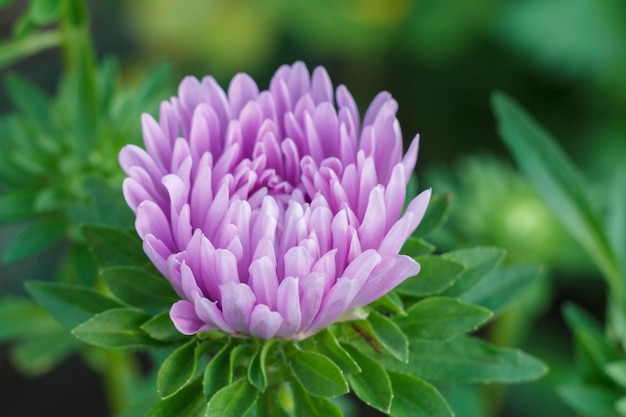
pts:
[272, 213]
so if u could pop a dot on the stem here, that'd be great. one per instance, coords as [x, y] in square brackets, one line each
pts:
[119, 371]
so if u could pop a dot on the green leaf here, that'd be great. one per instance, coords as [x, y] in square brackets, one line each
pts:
[16, 205]
[617, 371]
[69, 304]
[160, 327]
[115, 247]
[40, 354]
[257, 374]
[466, 359]
[233, 400]
[139, 288]
[372, 384]
[416, 247]
[269, 405]
[615, 219]
[436, 214]
[45, 11]
[22, 318]
[115, 329]
[40, 235]
[389, 335]
[218, 372]
[436, 275]
[413, 397]
[178, 370]
[390, 303]
[442, 318]
[326, 343]
[189, 402]
[590, 400]
[298, 402]
[502, 286]
[29, 98]
[558, 182]
[109, 203]
[317, 374]
[478, 263]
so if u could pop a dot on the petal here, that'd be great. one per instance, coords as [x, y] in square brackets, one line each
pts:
[238, 300]
[335, 303]
[264, 281]
[185, 319]
[288, 305]
[403, 228]
[264, 323]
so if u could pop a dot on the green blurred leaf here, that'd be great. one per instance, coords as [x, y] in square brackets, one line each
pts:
[29, 98]
[326, 343]
[466, 359]
[5, 3]
[160, 327]
[436, 214]
[40, 354]
[178, 370]
[617, 371]
[616, 220]
[436, 274]
[389, 335]
[139, 288]
[590, 400]
[503, 286]
[21, 318]
[13, 50]
[218, 372]
[40, 235]
[115, 247]
[416, 247]
[317, 374]
[233, 400]
[478, 263]
[109, 203]
[69, 304]
[45, 11]
[187, 403]
[413, 397]
[16, 205]
[268, 404]
[442, 318]
[119, 328]
[372, 384]
[257, 373]
[558, 182]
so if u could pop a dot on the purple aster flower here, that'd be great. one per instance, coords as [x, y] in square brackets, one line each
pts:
[273, 213]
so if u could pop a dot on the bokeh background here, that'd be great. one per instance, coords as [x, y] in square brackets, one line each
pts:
[564, 60]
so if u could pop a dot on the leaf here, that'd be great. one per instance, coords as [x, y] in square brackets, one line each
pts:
[502, 286]
[442, 318]
[317, 374]
[268, 404]
[69, 304]
[558, 182]
[436, 214]
[413, 397]
[466, 359]
[371, 385]
[109, 203]
[29, 98]
[590, 400]
[44, 11]
[436, 274]
[615, 219]
[119, 328]
[21, 318]
[416, 247]
[115, 247]
[233, 400]
[257, 374]
[187, 402]
[139, 288]
[40, 235]
[40, 354]
[218, 373]
[389, 335]
[326, 343]
[178, 370]
[478, 263]
[305, 405]
[160, 327]
[16, 205]
[617, 371]
[390, 302]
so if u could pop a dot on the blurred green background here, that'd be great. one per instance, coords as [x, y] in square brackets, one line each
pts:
[565, 60]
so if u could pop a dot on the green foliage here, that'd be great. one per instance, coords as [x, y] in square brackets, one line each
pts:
[119, 328]
[413, 397]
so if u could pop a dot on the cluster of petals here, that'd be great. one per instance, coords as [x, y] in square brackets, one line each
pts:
[273, 213]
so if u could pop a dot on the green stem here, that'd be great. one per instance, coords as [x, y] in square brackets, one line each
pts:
[119, 371]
